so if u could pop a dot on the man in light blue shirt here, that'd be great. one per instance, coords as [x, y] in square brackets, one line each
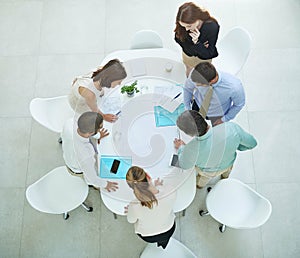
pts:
[212, 150]
[228, 94]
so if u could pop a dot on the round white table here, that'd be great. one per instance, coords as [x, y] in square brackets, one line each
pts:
[135, 133]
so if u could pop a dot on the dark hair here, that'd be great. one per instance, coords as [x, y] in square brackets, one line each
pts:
[189, 13]
[112, 71]
[203, 73]
[136, 178]
[89, 122]
[192, 123]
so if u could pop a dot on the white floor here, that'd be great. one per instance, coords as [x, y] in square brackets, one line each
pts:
[44, 44]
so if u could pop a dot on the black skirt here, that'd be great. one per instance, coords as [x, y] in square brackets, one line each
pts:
[161, 239]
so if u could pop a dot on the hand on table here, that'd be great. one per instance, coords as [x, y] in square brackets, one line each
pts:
[195, 35]
[178, 143]
[110, 117]
[158, 182]
[126, 209]
[111, 186]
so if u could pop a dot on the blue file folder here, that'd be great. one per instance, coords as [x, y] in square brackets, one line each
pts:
[106, 162]
[164, 117]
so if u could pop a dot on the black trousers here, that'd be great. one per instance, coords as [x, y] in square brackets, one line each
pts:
[161, 239]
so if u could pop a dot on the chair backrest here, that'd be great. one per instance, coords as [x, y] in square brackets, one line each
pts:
[51, 112]
[234, 49]
[173, 249]
[57, 192]
[146, 39]
[236, 205]
[186, 193]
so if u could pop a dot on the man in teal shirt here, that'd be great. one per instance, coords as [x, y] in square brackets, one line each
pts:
[212, 150]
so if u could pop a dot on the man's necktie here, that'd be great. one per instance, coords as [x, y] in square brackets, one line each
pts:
[94, 145]
[206, 102]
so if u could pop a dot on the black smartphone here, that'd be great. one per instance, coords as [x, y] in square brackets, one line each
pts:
[115, 166]
[174, 161]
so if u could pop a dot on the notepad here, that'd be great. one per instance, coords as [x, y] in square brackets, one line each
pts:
[106, 162]
[164, 117]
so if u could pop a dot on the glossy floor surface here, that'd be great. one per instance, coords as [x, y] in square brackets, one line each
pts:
[44, 44]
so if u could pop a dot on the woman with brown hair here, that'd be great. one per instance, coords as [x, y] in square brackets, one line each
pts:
[197, 33]
[152, 212]
[87, 91]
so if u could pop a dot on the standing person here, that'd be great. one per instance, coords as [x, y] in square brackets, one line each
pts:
[227, 99]
[152, 212]
[212, 150]
[87, 91]
[80, 149]
[197, 33]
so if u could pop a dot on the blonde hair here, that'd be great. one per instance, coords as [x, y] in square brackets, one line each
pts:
[136, 178]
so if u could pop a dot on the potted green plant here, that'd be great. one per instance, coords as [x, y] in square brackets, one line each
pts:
[130, 89]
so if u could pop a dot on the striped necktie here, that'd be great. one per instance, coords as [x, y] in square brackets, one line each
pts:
[206, 102]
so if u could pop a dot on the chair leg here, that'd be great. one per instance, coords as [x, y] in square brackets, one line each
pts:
[183, 212]
[222, 228]
[87, 208]
[66, 215]
[203, 213]
[115, 216]
[59, 140]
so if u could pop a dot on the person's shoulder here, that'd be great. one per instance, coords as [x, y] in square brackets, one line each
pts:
[232, 126]
[211, 24]
[227, 127]
[84, 80]
[228, 76]
[135, 205]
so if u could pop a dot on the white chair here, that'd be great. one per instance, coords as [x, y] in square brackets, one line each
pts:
[185, 194]
[173, 249]
[234, 49]
[146, 39]
[51, 112]
[236, 205]
[58, 192]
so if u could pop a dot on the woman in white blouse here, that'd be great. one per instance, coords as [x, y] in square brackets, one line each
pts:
[152, 211]
[87, 91]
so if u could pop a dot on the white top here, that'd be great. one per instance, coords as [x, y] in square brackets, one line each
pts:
[159, 219]
[77, 102]
[69, 155]
[79, 154]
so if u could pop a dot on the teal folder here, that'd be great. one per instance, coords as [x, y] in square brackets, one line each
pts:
[106, 162]
[164, 117]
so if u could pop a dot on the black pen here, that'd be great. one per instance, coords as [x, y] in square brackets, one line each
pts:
[118, 113]
[176, 96]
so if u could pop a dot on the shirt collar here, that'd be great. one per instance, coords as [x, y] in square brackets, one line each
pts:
[219, 79]
[82, 139]
[205, 136]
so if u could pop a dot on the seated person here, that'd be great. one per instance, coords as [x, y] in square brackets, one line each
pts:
[87, 91]
[80, 148]
[152, 212]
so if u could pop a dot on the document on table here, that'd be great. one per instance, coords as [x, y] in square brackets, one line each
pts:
[106, 164]
[164, 117]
